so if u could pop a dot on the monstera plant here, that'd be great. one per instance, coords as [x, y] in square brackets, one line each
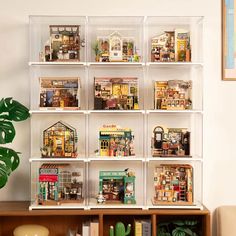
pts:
[10, 110]
[178, 228]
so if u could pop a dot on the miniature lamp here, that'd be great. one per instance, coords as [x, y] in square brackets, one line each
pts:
[31, 230]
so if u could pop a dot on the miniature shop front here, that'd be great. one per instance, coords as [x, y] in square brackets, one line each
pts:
[116, 187]
[115, 141]
[59, 184]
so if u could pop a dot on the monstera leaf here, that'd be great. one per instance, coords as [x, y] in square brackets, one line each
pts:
[7, 132]
[13, 110]
[9, 161]
[10, 110]
[181, 231]
[184, 228]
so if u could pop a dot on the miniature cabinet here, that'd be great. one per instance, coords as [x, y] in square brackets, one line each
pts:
[111, 95]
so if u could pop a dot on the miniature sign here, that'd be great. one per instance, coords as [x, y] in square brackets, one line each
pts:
[60, 184]
[116, 141]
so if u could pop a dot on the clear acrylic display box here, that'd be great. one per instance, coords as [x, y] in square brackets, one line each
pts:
[93, 182]
[192, 122]
[42, 121]
[40, 34]
[175, 73]
[114, 72]
[132, 120]
[157, 25]
[129, 27]
[196, 184]
[58, 184]
[60, 73]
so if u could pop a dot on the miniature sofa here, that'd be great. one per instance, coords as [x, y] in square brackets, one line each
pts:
[226, 220]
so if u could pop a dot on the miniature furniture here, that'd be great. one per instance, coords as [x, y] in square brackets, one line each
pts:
[31, 230]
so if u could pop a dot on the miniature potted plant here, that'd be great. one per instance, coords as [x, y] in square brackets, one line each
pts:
[96, 51]
[10, 110]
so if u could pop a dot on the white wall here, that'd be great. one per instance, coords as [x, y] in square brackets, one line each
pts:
[219, 96]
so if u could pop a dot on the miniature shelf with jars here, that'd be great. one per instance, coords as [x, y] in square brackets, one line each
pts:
[117, 112]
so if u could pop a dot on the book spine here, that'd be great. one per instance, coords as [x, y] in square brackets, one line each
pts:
[94, 229]
[138, 228]
[86, 230]
[146, 228]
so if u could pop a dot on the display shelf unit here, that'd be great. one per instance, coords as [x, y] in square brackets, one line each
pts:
[87, 121]
[13, 214]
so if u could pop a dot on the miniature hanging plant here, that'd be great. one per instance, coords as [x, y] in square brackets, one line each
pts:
[10, 110]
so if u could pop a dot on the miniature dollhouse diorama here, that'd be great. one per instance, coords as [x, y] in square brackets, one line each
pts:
[59, 93]
[116, 48]
[120, 93]
[171, 46]
[173, 185]
[170, 142]
[173, 95]
[63, 44]
[59, 140]
[60, 184]
[117, 187]
[115, 141]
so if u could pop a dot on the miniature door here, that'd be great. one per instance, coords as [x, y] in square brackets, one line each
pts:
[116, 46]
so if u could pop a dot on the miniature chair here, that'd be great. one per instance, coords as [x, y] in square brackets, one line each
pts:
[31, 230]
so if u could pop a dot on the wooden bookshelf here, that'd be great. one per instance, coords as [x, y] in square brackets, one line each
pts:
[13, 214]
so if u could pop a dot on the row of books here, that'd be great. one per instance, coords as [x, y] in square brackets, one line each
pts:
[142, 228]
[90, 229]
